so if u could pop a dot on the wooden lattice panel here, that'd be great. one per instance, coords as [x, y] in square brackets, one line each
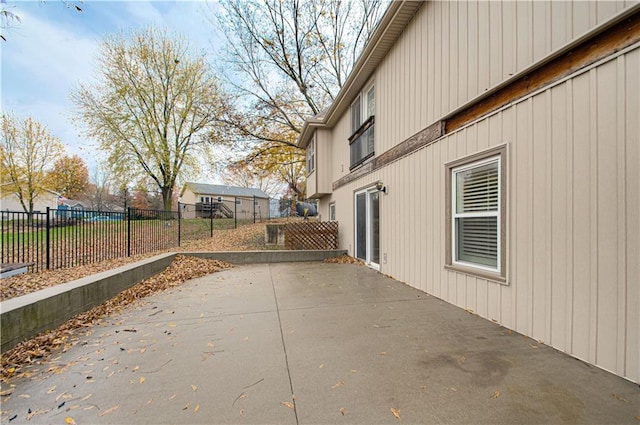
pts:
[311, 235]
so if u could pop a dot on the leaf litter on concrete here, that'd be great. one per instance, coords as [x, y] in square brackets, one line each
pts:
[36, 350]
[344, 259]
[39, 348]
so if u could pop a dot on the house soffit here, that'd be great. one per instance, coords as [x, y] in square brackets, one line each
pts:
[391, 26]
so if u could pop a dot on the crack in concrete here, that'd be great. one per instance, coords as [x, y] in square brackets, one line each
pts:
[284, 346]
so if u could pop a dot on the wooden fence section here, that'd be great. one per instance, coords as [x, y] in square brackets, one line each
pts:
[311, 235]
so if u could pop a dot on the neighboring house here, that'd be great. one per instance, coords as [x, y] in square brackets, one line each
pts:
[9, 200]
[503, 172]
[71, 208]
[224, 201]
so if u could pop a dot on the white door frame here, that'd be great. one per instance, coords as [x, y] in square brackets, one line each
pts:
[368, 226]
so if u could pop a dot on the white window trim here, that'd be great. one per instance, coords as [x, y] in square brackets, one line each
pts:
[357, 100]
[332, 206]
[489, 274]
[455, 215]
[366, 191]
[361, 98]
[311, 156]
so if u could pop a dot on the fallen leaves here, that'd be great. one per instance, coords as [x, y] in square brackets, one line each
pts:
[396, 413]
[194, 388]
[245, 238]
[495, 394]
[110, 410]
[288, 404]
[37, 413]
[69, 420]
[339, 384]
[344, 259]
[6, 392]
[619, 397]
[180, 270]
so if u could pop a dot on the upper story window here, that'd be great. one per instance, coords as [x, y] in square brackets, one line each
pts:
[311, 156]
[362, 119]
[363, 108]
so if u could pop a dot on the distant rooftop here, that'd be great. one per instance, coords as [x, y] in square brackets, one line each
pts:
[222, 190]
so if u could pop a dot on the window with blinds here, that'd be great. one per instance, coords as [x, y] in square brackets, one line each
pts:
[476, 214]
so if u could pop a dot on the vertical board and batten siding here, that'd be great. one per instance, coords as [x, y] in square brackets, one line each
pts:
[573, 223]
[454, 51]
[573, 160]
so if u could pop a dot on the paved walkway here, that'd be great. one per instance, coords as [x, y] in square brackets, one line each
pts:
[309, 343]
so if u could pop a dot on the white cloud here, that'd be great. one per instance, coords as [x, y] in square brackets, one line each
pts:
[49, 54]
[55, 49]
[143, 12]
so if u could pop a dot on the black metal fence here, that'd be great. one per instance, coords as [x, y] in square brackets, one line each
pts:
[61, 238]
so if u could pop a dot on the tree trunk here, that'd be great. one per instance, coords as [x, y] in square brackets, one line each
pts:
[167, 197]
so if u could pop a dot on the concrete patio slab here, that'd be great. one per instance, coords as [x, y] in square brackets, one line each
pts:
[305, 343]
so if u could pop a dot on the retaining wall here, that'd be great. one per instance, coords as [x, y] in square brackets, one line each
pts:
[26, 316]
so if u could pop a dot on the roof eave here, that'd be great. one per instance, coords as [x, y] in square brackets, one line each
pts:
[392, 24]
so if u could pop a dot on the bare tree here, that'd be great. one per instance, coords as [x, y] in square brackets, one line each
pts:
[242, 175]
[286, 62]
[98, 193]
[8, 18]
[155, 109]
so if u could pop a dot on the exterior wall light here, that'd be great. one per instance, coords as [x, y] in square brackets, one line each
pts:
[380, 187]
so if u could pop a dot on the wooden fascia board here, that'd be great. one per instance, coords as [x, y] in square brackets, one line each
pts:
[614, 35]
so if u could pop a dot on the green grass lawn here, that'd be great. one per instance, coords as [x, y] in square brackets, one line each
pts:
[85, 242]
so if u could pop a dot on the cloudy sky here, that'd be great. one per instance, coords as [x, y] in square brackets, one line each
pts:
[54, 48]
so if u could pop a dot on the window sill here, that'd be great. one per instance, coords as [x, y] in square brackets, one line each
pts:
[483, 274]
[364, 161]
[363, 127]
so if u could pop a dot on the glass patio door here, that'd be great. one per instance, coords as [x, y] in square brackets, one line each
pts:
[367, 216]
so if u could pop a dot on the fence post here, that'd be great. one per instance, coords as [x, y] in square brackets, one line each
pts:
[235, 212]
[48, 240]
[254, 209]
[128, 231]
[211, 215]
[179, 224]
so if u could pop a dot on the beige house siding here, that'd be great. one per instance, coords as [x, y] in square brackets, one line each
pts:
[244, 208]
[452, 52]
[9, 202]
[188, 197]
[573, 228]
